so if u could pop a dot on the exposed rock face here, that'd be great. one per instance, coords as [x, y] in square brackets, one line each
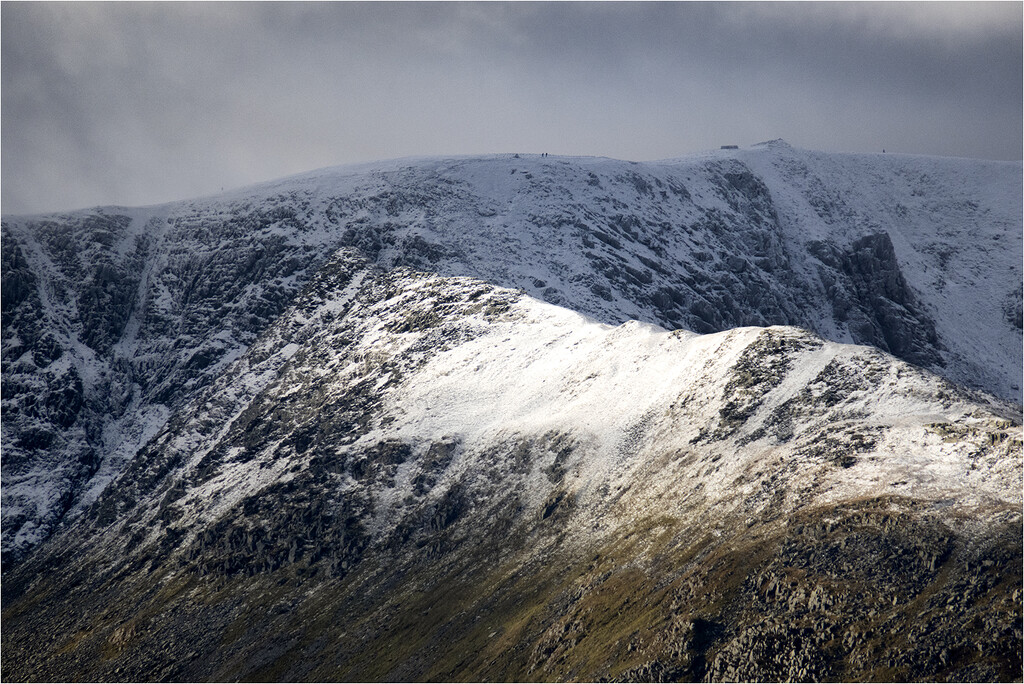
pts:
[871, 297]
[281, 434]
[110, 326]
[43, 399]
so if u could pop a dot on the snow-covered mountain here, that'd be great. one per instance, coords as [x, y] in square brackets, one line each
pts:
[405, 466]
[452, 418]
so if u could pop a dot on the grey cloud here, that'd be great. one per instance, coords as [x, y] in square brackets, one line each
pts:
[138, 103]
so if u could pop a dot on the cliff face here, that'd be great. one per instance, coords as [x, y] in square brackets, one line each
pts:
[396, 422]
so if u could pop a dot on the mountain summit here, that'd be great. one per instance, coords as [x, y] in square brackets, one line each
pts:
[752, 414]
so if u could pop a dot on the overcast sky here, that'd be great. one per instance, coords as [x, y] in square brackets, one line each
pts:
[138, 103]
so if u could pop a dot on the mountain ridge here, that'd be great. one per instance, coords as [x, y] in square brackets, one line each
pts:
[360, 462]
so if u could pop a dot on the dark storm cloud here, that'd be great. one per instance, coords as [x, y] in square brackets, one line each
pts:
[137, 103]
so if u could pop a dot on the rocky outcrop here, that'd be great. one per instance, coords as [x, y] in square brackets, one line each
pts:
[869, 295]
